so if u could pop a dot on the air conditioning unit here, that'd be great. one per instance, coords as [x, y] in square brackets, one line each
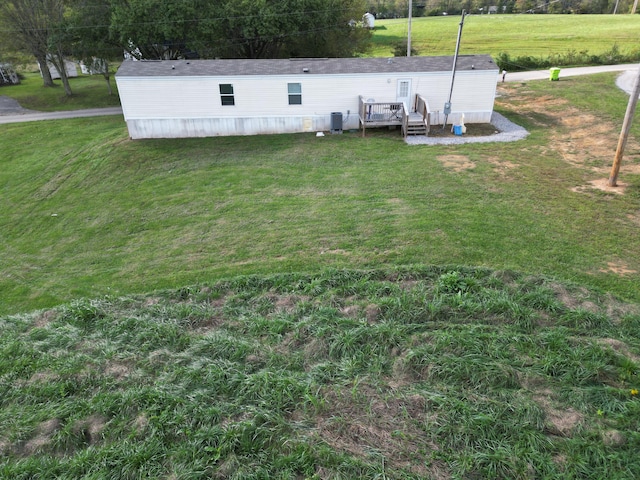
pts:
[336, 122]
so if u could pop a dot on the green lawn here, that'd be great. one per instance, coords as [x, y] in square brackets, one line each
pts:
[87, 212]
[89, 91]
[518, 35]
[296, 307]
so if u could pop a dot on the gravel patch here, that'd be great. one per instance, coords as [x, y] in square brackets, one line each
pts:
[507, 132]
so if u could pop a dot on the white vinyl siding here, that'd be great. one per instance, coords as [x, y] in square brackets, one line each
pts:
[152, 109]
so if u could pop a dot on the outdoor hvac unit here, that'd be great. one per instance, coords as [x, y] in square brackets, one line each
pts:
[336, 122]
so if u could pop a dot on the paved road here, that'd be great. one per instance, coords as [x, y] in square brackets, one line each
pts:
[624, 81]
[12, 112]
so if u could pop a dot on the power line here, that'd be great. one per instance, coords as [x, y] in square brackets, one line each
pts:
[195, 20]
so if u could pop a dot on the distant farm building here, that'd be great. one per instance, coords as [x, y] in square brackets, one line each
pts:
[369, 20]
[70, 68]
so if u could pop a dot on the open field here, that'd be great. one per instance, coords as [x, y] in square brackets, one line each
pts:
[417, 373]
[87, 212]
[518, 35]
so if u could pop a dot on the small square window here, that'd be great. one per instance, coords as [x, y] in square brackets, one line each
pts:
[295, 93]
[226, 94]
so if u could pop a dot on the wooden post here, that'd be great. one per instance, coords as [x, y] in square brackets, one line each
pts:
[624, 134]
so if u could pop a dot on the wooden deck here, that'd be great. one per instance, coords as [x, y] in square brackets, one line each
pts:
[376, 114]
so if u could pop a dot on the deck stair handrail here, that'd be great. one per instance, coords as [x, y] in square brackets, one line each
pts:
[405, 120]
[422, 107]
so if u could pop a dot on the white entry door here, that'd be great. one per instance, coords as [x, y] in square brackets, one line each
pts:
[403, 93]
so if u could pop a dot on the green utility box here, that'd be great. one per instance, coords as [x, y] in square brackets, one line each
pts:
[554, 74]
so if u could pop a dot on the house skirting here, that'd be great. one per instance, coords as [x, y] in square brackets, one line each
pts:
[213, 127]
[227, 126]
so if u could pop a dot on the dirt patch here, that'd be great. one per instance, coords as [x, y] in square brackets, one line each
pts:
[619, 268]
[372, 312]
[43, 377]
[90, 429]
[457, 163]
[45, 318]
[577, 299]
[141, 423]
[365, 423]
[288, 303]
[580, 139]
[208, 324]
[601, 184]
[335, 251]
[117, 370]
[350, 311]
[619, 347]
[472, 130]
[42, 437]
[151, 301]
[502, 166]
[558, 422]
[613, 438]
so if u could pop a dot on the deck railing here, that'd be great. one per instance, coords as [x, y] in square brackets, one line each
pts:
[379, 114]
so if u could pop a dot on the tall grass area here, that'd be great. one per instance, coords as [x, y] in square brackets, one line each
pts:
[87, 212]
[407, 373]
[560, 39]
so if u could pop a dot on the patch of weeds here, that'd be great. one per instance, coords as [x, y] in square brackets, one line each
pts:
[456, 283]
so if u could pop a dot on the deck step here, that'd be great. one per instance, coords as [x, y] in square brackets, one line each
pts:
[416, 128]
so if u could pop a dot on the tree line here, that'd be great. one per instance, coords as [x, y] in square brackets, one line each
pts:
[54, 30]
[400, 8]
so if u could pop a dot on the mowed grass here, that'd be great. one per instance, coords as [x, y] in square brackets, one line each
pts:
[87, 212]
[404, 373]
[89, 91]
[517, 35]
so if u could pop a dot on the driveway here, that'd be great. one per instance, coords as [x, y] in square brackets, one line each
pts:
[12, 112]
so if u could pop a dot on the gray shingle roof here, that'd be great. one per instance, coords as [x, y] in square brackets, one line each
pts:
[316, 66]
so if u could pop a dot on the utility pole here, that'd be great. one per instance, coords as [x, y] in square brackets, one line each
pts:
[624, 134]
[409, 29]
[447, 106]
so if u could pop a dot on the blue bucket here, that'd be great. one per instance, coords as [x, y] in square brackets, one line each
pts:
[457, 129]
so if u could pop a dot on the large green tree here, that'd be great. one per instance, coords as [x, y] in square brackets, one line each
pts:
[165, 29]
[89, 39]
[160, 29]
[29, 24]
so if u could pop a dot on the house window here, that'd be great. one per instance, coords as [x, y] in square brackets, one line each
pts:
[226, 94]
[295, 93]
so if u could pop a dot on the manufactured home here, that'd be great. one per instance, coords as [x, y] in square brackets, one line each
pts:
[202, 98]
